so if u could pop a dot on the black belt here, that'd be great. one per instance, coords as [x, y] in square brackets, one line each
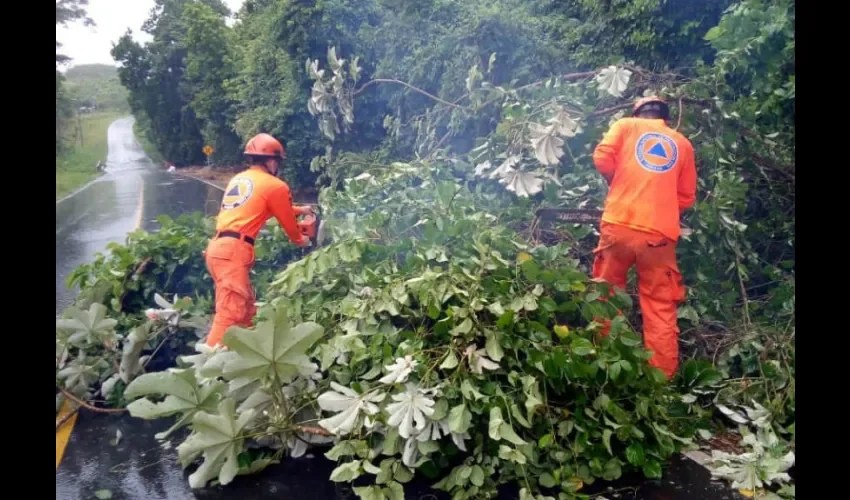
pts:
[233, 234]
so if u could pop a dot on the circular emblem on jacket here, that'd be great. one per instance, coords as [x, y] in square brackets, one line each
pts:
[237, 193]
[656, 152]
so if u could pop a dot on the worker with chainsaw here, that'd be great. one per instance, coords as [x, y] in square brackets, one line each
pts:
[651, 176]
[250, 199]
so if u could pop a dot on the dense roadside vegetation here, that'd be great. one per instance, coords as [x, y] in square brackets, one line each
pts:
[446, 333]
[89, 98]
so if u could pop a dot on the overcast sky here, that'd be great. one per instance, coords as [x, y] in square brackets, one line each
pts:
[112, 17]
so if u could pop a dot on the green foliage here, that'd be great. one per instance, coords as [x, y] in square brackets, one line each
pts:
[112, 333]
[98, 355]
[266, 370]
[67, 11]
[154, 75]
[97, 86]
[438, 340]
[658, 34]
[168, 261]
[209, 65]
[766, 460]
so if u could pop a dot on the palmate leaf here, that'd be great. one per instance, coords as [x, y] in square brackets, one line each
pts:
[271, 350]
[134, 344]
[182, 395]
[219, 438]
[613, 80]
[89, 326]
[81, 373]
[548, 147]
[524, 184]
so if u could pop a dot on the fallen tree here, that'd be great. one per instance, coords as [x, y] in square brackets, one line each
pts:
[447, 333]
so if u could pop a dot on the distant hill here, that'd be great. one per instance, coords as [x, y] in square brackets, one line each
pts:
[97, 86]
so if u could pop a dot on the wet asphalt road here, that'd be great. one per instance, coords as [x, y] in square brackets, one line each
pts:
[140, 468]
[133, 191]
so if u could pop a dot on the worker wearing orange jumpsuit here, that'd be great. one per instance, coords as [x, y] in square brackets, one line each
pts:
[250, 199]
[652, 178]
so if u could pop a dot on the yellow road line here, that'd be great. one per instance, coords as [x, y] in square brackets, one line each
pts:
[141, 210]
[63, 433]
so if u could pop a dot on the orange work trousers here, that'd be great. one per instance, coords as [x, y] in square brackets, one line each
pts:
[660, 286]
[229, 261]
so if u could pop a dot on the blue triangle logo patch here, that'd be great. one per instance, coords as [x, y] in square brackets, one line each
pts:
[657, 150]
[234, 191]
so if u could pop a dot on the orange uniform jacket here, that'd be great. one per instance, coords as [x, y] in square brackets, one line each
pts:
[651, 175]
[251, 198]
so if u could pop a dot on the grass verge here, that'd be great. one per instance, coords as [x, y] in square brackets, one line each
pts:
[78, 164]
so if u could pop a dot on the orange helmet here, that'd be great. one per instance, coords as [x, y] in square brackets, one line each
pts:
[658, 103]
[265, 145]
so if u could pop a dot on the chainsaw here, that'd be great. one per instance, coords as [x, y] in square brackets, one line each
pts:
[312, 226]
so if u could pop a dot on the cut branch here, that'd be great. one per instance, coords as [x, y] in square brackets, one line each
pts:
[605, 111]
[88, 406]
[568, 77]
[318, 431]
[785, 171]
[411, 87]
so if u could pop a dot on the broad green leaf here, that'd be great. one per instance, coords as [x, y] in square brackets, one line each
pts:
[394, 491]
[477, 476]
[493, 346]
[441, 410]
[606, 439]
[182, 395]
[464, 327]
[450, 361]
[546, 480]
[612, 470]
[469, 391]
[459, 419]
[134, 344]
[81, 373]
[346, 472]
[508, 453]
[402, 474]
[582, 347]
[342, 449]
[370, 467]
[517, 414]
[495, 423]
[219, 437]
[89, 326]
[634, 454]
[508, 434]
[272, 349]
[652, 469]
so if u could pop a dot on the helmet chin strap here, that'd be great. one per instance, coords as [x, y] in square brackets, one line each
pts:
[266, 168]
